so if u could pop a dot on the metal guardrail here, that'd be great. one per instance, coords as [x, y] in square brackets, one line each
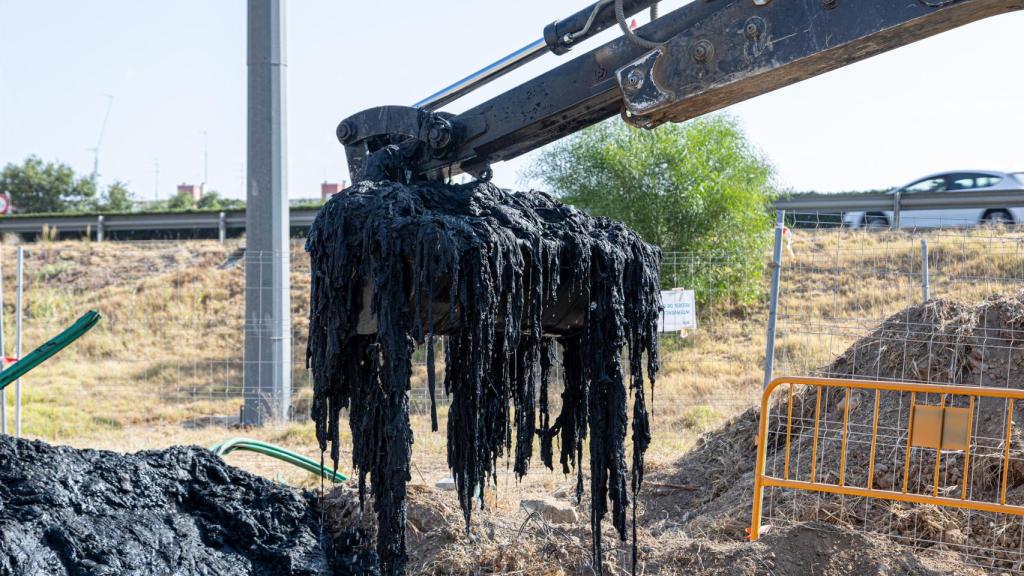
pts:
[896, 202]
[102, 223]
[303, 217]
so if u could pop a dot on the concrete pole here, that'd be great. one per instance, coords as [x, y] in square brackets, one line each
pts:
[267, 369]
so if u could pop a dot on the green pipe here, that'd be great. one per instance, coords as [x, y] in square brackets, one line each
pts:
[51, 347]
[283, 454]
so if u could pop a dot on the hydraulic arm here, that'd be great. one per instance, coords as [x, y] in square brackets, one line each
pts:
[699, 58]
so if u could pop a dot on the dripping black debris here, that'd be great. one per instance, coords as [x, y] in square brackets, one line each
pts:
[504, 276]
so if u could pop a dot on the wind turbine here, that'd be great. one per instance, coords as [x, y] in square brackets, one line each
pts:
[96, 151]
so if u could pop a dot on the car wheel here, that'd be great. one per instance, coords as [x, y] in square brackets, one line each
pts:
[875, 221]
[998, 217]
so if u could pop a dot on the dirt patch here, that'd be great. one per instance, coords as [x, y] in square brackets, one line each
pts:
[810, 549]
[524, 544]
[175, 511]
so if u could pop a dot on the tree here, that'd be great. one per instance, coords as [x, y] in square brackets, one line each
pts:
[181, 202]
[36, 186]
[699, 188]
[117, 199]
[212, 200]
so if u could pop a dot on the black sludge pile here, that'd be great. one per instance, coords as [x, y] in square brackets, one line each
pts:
[504, 276]
[178, 511]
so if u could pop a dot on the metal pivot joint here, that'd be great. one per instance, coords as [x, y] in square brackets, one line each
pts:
[381, 143]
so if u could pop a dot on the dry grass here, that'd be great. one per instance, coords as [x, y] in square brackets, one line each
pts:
[170, 340]
[164, 366]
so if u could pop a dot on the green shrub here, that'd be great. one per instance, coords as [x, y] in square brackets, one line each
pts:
[699, 188]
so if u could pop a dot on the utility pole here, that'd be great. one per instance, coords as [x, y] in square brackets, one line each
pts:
[206, 163]
[267, 368]
[156, 179]
[99, 142]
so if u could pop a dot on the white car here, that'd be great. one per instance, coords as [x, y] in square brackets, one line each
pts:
[962, 181]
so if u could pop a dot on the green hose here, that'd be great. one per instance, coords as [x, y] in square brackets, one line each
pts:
[51, 347]
[285, 455]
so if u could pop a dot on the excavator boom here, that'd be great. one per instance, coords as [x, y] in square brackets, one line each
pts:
[699, 58]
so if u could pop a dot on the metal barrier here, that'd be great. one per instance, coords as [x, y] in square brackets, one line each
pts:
[942, 428]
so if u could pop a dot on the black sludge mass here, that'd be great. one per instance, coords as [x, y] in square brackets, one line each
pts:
[502, 276]
[179, 511]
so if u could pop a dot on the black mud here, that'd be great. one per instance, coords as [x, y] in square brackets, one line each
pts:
[179, 511]
[511, 274]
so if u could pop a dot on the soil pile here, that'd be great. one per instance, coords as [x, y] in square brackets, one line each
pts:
[175, 511]
[505, 276]
[811, 549]
[503, 544]
[942, 342]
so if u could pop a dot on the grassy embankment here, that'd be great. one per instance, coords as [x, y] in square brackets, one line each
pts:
[164, 366]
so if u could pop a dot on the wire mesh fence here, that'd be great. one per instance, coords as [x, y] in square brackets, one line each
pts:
[919, 304]
[937, 301]
[166, 364]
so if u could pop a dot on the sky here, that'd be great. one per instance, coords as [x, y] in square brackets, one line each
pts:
[175, 73]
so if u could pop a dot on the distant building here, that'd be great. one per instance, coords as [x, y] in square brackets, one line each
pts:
[196, 192]
[328, 189]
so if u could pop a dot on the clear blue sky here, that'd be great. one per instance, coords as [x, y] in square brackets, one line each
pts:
[177, 69]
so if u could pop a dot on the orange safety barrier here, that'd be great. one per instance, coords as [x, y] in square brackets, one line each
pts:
[942, 428]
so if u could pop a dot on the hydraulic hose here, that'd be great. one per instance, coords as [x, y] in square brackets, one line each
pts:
[283, 454]
[620, 15]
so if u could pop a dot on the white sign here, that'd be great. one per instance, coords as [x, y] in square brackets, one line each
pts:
[680, 311]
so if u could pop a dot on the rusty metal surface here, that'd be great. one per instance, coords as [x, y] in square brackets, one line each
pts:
[740, 52]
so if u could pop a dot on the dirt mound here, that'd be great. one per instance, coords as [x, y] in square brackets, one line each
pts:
[940, 342]
[812, 548]
[175, 511]
[944, 342]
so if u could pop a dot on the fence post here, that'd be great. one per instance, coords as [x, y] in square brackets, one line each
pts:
[99, 228]
[3, 393]
[17, 340]
[222, 227]
[773, 305]
[925, 280]
[897, 207]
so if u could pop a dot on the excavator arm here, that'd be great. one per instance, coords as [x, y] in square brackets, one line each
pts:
[699, 58]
